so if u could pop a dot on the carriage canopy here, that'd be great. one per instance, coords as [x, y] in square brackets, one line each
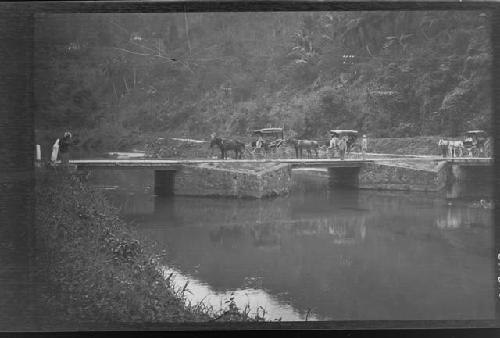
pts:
[476, 133]
[276, 132]
[344, 132]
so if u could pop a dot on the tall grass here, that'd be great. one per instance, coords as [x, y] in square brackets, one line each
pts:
[92, 268]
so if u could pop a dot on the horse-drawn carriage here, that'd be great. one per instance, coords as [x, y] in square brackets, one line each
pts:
[350, 135]
[269, 140]
[474, 142]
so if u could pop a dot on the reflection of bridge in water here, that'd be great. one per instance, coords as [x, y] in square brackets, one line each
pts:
[338, 230]
[459, 217]
[265, 220]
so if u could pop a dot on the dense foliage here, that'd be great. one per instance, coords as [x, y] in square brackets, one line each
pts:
[118, 76]
[92, 269]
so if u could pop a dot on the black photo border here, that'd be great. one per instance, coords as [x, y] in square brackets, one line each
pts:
[17, 204]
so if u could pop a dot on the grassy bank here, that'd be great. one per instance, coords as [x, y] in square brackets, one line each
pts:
[94, 269]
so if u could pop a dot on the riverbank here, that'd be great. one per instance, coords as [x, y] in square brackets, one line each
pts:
[94, 269]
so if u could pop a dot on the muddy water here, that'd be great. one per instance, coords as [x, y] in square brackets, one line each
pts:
[326, 254]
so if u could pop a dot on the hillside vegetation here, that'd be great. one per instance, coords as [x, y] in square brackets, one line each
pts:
[120, 80]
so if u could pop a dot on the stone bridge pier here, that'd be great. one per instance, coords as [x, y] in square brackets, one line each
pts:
[229, 180]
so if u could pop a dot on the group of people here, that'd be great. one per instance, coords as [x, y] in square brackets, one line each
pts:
[338, 146]
[451, 148]
[341, 146]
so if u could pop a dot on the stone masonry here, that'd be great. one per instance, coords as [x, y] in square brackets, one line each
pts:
[403, 176]
[233, 180]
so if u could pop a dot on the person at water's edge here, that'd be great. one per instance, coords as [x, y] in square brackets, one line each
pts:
[64, 147]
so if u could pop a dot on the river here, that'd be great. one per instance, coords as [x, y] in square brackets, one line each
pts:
[320, 253]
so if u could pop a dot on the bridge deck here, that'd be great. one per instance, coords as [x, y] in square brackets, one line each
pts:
[174, 164]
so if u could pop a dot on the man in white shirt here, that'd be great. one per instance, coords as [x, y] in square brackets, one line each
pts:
[333, 145]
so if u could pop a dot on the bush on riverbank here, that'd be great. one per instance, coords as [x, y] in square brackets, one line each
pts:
[427, 145]
[92, 268]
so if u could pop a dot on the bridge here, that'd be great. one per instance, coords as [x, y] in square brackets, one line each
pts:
[175, 164]
[326, 163]
[192, 176]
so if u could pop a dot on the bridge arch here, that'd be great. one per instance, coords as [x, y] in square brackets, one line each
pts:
[164, 182]
[343, 177]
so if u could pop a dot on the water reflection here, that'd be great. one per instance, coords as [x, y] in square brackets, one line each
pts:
[253, 297]
[456, 217]
[470, 190]
[226, 234]
[455, 190]
[345, 254]
[266, 236]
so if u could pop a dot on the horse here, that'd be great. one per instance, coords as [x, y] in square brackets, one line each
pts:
[350, 140]
[443, 146]
[273, 145]
[456, 148]
[300, 145]
[227, 144]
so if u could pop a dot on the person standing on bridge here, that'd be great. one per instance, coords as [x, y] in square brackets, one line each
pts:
[259, 143]
[333, 145]
[342, 147]
[64, 147]
[475, 147]
[364, 146]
